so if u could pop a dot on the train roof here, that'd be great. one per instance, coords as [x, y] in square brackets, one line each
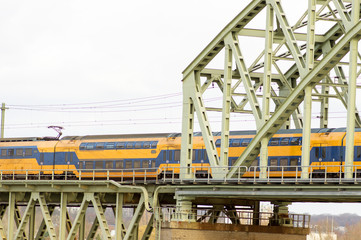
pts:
[169, 135]
[115, 136]
[24, 139]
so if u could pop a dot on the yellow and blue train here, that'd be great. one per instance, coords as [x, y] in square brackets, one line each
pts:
[154, 154]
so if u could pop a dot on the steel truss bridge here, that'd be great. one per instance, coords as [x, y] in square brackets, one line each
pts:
[314, 59]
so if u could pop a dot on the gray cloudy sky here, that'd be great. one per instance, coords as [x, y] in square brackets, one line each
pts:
[72, 52]
[117, 52]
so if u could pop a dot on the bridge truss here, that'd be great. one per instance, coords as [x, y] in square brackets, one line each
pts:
[314, 60]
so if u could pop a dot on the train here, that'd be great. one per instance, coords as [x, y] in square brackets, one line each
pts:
[154, 155]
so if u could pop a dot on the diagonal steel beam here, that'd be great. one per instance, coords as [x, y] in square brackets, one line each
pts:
[100, 216]
[343, 12]
[42, 228]
[232, 41]
[133, 225]
[217, 44]
[25, 219]
[46, 215]
[77, 221]
[291, 41]
[296, 97]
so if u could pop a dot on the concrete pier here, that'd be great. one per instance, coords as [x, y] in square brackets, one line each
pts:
[209, 231]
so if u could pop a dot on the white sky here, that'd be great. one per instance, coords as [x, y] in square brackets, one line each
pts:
[77, 51]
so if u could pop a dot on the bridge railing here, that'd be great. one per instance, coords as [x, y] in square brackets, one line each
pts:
[171, 174]
[238, 216]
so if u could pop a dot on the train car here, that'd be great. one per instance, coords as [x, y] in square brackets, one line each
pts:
[156, 155]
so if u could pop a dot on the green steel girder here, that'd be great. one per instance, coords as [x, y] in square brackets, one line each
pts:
[296, 97]
[217, 43]
[2, 212]
[43, 228]
[132, 231]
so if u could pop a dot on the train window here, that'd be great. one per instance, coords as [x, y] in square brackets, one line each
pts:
[66, 157]
[28, 152]
[245, 142]
[205, 155]
[99, 146]
[120, 145]
[90, 146]
[82, 146]
[274, 141]
[273, 163]
[88, 165]
[145, 164]
[177, 155]
[154, 145]
[109, 145]
[70, 157]
[358, 152]
[109, 164]
[130, 145]
[283, 162]
[19, 152]
[194, 155]
[218, 143]
[199, 155]
[128, 164]
[146, 145]
[119, 164]
[323, 152]
[285, 141]
[170, 155]
[99, 165]
[80, 165]
[293, 163]
[317, 152]
[137, 164]
[138, 145]
[165, 155]
[153, 164]
[296, 141]
[3, 152]
[236, 143]
[11, 152]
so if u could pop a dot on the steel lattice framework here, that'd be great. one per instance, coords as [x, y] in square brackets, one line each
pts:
[311, 54]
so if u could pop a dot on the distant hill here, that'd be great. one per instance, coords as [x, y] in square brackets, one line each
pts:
[342, 220]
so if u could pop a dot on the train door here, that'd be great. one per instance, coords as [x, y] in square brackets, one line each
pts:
[320, 155]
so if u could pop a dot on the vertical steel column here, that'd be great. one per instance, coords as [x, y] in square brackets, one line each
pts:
[266, 89]
[227, 88]
[187, 128]
[3, 108]
[82, 228]
[11, 216]
[307, 112]
[355, 17]
[119, 217]
[32, 224]
[63, 218]
[324, 106]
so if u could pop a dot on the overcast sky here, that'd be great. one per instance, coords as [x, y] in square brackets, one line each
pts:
[128, 55]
